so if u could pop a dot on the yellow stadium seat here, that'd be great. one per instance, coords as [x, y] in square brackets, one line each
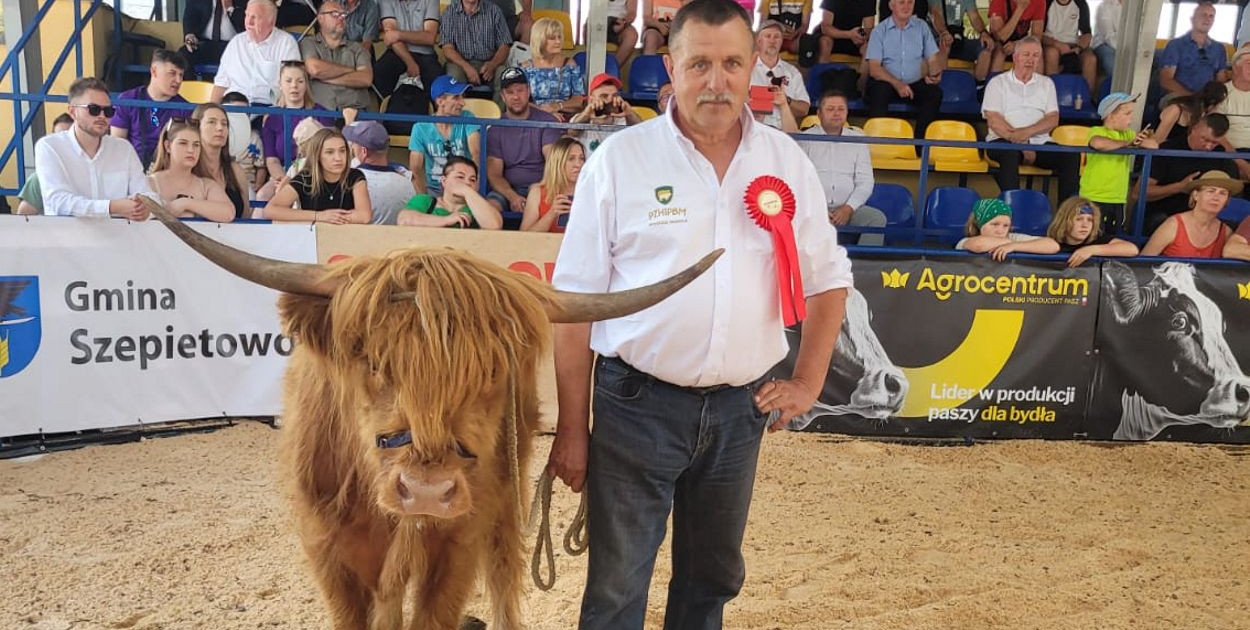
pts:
[481, 107]
[645, 113]
[564, 20]
[298, 31]
[959, 64]
[899, 157]
[809, 122]
[196, 91]
[1071, 135]
[850, 60]
[955, 159]
[399, 142]
[1160, 44]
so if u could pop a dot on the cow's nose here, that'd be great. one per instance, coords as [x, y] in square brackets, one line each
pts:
[892, 384]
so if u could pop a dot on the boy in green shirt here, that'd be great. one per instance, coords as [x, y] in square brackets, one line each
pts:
[1106, 177]
[459, 205]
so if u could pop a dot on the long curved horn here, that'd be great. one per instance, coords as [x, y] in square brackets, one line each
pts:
[572, 308]
[1128, 299]
[279, 275]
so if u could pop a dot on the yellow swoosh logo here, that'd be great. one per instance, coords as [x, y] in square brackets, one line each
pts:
[973, 365]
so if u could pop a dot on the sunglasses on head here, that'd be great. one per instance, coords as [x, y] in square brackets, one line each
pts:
[179, 120]
[96, 110]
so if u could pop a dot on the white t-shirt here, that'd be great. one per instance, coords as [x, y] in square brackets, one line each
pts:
[1021, 104]
[649, 205]
[252, 67]
[1063, 22]
[1237, 108]
[616, 8]
[794, 88]
[389, 191]
[1107, 24]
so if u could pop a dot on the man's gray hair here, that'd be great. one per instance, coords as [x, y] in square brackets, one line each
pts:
[273, 8]
[1029, 40]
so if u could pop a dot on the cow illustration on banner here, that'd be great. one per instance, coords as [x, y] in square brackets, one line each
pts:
[1168, 351]
[959, 346]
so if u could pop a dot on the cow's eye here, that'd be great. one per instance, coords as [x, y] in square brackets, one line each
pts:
[1180, 321]
[464, 452]
[395, 440]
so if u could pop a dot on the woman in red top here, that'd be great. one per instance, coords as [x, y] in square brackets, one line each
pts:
[548, 203]
[1197, 232]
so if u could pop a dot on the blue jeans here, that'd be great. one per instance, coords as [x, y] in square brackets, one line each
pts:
[1106, 58]
[657, 446]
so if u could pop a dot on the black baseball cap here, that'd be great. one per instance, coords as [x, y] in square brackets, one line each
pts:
[512, 76]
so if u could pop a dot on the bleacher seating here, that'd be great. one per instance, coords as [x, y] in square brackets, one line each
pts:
[895, 202]
[645, 113]
[809, 121]
[646, 75]
[1030, 211]
[955, 159]
[196, 91]
[947, 208]
[566, 24]
[1072, 90]
[815, 87]
[481, 107]
[898, 157]
[959, 94]
[610, 64]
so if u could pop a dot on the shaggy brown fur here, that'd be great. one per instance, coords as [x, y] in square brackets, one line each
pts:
[438, 366]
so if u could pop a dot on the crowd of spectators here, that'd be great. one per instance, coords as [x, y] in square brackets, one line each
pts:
[212, 163]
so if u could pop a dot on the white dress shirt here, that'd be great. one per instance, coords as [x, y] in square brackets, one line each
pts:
[1107, 24]
[726, 326]
[1021, 104]
[845, 169]
[794, 88]
[74, 184]
[252, 68]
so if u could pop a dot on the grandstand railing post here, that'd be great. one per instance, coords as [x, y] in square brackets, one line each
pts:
[483, 184]
[117, 44]
[1139, 209]
[78, 40]
[922, 187]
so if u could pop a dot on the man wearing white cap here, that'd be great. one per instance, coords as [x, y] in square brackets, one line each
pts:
[772, 71]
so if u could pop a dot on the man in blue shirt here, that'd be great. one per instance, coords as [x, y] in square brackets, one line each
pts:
[904, 64]
[1188, 62]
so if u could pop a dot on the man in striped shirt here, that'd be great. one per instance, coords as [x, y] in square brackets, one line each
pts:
[475, 40]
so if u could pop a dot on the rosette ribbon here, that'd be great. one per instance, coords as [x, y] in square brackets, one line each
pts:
[770, 204]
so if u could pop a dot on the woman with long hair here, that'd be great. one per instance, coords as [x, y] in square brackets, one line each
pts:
[547, 205]
[216, 163]
[1077, 227]
[293, 93]
[556, 83]
[327, 190]
[1198, 231]
[1175, 119]
[180, 181]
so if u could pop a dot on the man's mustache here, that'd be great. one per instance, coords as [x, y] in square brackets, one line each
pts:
[720, 97]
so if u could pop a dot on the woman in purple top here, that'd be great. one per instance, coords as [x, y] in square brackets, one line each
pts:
[292, 93]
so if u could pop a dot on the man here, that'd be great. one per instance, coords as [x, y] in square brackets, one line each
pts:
[681, 401]
[1021, 107]
[516, 155]
[519, 24]
[845, 169]
[662, 97]
[1191, 60]
[389, 187]
[1238, 245]
[341, 71]
[1165, 188]
[904, 64]
[1106, 34]
[142, 125]
[409, 30]
[85, 171]
[1011, 21]
[844, 28]
[604, 106]
[1066, 41]
[459, 205]
[431, 144]
[772, 72]
[252, 59]
[793, 18]
[475, 41]
[207, 26]
[1237, 107]
[954, 45]
[364, 19]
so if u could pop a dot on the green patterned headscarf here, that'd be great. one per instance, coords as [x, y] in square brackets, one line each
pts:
[985, 210]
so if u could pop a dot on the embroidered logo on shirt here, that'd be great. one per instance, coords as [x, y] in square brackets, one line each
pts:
[664, 194]
[661, 216]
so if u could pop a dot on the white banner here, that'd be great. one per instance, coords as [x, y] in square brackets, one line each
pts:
[104, 323]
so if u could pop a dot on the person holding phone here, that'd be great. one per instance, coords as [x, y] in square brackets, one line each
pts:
[547, 205]
[790, 100]
[604, 106]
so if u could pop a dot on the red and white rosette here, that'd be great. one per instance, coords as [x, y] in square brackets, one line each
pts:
[770, 203]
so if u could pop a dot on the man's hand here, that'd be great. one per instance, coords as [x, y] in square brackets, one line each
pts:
[518, 203]
[471, 74]
[789, 397]
[390, 37]
[621, 106]
[987, 41]
[945, 40]
[131, 209]
[779, 97]
[933, 78]
[487, 72]
[841, 215]
[191, 42]
[903, 90]
[349, 115]
[567, 461]
[462, 219]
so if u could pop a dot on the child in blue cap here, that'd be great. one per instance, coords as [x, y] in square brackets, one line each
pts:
[1105, 180]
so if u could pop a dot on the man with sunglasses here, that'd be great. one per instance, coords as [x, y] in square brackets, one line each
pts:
[1191, 60]
[341, 72]
[86, 172]
[142, 125]
[773, 72]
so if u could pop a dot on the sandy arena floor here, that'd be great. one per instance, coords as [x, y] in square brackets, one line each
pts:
[191, 532]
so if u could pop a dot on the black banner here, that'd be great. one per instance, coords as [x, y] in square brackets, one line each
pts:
[956, 347]
[1172, 341]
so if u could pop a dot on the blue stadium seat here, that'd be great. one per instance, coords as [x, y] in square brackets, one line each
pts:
[959, 93]
[610, 65]
[896, 202]
[646, 75]
[1104, 88]
[815, 88]
[1030, 211]
[1236, 210]
[1068, 88]
[947, 208]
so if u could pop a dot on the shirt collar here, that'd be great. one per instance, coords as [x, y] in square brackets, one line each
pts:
[750, 128]
[1031, 81]
[889, 23]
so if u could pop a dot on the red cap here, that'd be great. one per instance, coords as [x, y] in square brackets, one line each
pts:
[602, 78]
